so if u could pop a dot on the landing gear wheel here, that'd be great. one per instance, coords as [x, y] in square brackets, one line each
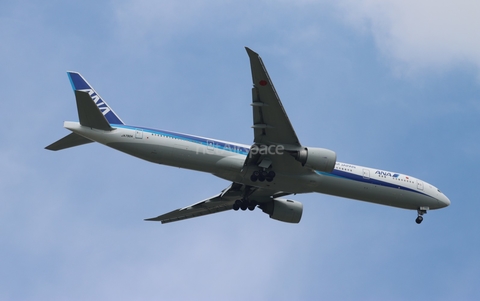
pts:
[263, 176]
[254, 176]
[421, 211]
[270, 176]
[236, 205]
[244, 204]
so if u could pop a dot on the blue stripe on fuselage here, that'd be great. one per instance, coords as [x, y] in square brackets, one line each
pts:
[223, 145]
[354, 177]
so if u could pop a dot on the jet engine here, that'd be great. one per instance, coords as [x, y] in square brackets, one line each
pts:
[320, 159]
[283, 210]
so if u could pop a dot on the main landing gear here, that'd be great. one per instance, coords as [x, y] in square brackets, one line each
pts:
[421, 211]
[262, 176]
[244, 204]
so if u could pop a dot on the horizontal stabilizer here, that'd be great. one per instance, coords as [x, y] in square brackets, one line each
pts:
[88, 112]
[68, 141]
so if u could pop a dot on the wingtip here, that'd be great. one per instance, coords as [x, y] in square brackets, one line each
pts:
[250, 51]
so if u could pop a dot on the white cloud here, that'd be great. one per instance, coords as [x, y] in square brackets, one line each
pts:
[420, 34]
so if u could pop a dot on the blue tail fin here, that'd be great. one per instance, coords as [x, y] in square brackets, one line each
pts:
[80, 84]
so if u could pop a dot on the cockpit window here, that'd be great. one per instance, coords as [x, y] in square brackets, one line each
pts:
[439, 190]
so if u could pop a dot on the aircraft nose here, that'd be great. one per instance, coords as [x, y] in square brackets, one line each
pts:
[444, 200]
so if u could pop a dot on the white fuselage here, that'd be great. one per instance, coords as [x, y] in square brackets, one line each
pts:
[226, 160]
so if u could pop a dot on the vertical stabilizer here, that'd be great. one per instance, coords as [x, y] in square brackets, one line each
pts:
[80, 84]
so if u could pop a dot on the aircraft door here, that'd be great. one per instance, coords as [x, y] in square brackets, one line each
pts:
[138, 134]
[366, 173]
[210, 147]
[419, 185]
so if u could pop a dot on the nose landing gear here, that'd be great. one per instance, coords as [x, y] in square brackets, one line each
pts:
[421, 211]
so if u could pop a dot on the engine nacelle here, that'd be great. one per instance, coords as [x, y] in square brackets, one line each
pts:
[284, 210]
[320, 159]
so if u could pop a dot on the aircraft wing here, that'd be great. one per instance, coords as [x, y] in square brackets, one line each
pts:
[211, 205]
[271, 125]
[221, 202]
[271, 128]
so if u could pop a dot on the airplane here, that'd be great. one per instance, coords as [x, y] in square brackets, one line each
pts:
[260, 175]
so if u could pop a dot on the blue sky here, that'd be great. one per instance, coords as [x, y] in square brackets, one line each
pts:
[388, 84]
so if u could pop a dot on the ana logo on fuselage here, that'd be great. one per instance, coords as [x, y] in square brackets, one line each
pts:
[98, 101]
[386, 174]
